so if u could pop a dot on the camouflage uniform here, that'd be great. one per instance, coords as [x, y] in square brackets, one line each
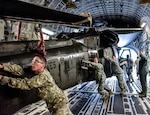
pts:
[130, 69]
[116, 69]
[143, 71]
[47, 89]
[100, 77]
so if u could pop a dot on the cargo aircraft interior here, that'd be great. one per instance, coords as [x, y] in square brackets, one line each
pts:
[69, 33]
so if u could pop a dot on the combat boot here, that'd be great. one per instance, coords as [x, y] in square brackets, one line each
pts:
[142, 94]
[106, 96]
[110, 93]
[123, 91]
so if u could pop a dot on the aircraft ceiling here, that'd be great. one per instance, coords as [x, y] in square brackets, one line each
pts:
[113, 13]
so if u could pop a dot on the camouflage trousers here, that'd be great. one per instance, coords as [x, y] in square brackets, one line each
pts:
[121, 82]
[103, 89]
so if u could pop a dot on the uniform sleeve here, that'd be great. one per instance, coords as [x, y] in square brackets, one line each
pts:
[123, 63]
[109, 59]
[145, 63]
[144, 58]
[25, 84]
[93, 65]
[14, 69]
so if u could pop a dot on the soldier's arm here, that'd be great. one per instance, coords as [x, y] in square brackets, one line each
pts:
[86, 63]
[108, 58]
[145, 60]
[123, 63]
[93, 64]
[144, 57]
[13, 68]
[24, 84]
[89, 63]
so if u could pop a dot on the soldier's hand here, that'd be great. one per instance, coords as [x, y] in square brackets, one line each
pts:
[86, 61]
[1, 77]
[105, 55]
[1, 66]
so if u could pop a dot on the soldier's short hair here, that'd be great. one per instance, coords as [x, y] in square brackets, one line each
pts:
[41, 57]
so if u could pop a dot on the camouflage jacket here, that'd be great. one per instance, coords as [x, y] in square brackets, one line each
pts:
[143, 65]
[116, 69]
[99, 73]
[43, 82]
[99, 67]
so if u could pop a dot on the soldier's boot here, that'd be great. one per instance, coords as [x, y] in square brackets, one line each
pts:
[110, 93]
[106, 96]
[142, 94]
[123, 91]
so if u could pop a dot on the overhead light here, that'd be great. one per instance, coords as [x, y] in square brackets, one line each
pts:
[46, 31]
[71, 4]
[143, 25]
[144, 1]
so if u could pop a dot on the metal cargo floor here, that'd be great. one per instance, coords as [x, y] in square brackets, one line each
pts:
[85, 100]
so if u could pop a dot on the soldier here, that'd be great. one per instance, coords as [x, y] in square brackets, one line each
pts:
[130, 68]
[143, 71]
[116, 69]
[137, 65]
[100, 77]
[42, 80]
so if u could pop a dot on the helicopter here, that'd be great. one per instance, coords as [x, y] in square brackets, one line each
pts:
[64, 54]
